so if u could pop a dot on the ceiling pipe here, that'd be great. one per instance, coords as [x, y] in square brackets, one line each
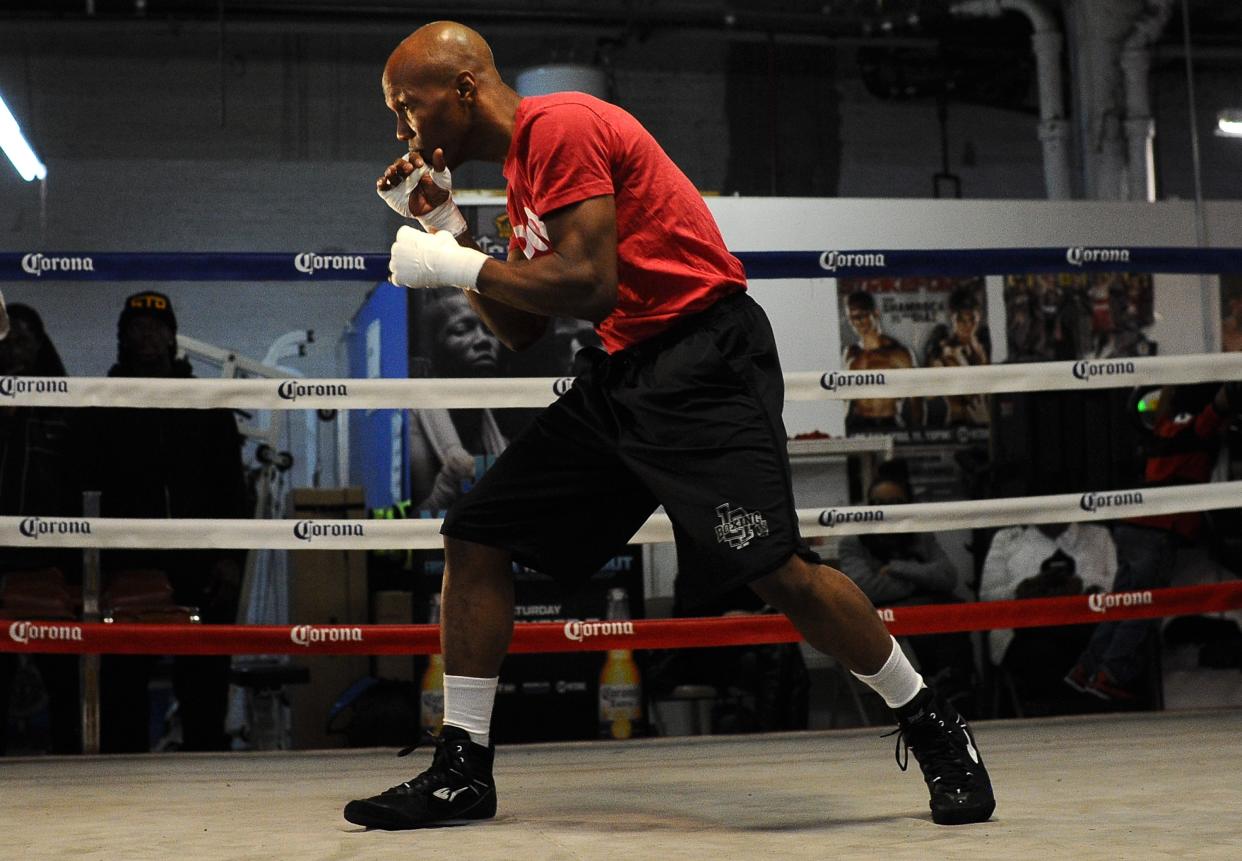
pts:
[1046, 42]
[1140, 127]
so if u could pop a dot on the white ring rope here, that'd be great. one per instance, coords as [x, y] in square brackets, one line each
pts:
[424, 534]
[500, 393]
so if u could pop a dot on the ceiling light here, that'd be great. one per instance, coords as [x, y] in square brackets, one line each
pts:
[16, 148]
[1229, 123]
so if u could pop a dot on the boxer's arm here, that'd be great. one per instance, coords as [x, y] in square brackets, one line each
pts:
[516, 329]
[577, 278]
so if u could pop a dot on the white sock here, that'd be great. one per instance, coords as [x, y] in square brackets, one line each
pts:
[468, 705]
[897, 681]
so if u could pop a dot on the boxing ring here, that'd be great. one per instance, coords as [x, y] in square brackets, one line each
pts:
[1132, 785]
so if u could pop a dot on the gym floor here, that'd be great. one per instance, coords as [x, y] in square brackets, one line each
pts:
[1150, 785]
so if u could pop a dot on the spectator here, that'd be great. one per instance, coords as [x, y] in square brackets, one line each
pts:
[37, 478]
[905, 569]
[1039, 562]
[172, 463]
[1181, 449]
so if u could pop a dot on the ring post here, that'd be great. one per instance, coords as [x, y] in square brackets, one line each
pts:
[89, 664]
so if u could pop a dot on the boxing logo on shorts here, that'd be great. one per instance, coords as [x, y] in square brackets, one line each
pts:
[738, 527]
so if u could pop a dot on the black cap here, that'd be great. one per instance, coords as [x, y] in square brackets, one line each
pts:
[148, 304]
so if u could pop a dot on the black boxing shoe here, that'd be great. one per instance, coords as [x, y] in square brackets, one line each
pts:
[945, 748]
[456, 789]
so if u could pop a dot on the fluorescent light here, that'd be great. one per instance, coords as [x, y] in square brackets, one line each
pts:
[1229, 124]
[16, 148]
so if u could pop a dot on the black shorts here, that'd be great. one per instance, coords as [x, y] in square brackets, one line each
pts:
[690, 419]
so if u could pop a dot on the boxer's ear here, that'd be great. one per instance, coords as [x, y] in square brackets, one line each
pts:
[467, 87]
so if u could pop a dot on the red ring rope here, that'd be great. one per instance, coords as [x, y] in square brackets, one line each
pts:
[574, 636]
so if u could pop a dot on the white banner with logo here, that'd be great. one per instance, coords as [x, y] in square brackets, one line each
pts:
[355, 394]
[424, 534]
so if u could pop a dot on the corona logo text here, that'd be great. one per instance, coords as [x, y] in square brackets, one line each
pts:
[37, 527]
[309, 530]
[836, 516]
[11, 387]
[1078, 255]
[36, 264]
[1084, 370]
[578, 631]
[1092, 502]
[1102, 602]
[312, 263]
[291, 390]
[307, 635]
[834, 380]
[831, 261]
[26, 632]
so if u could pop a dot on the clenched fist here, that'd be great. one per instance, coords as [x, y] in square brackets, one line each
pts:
[433, 260]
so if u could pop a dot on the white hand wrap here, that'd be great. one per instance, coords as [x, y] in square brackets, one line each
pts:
[446, 216]
[433, 260]
[398, 197]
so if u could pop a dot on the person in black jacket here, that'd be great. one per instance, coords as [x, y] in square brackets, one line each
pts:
[37, 478]
[175, 463]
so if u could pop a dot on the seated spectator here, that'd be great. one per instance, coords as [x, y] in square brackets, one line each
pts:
[1039, 562]
[1181, 449]
[37, 478]
[175, 463]
[894, 569]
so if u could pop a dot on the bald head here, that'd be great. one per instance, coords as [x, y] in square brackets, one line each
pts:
[442, 84]
[438, 52]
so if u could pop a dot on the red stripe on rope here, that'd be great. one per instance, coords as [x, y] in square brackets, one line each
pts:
[577, 636]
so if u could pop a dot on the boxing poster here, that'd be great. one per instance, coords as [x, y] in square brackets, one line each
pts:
[1070, 316]
[891, 323]
[1231, 313]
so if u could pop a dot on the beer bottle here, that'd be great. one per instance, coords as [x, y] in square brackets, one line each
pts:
[620, 687]
[431, 697]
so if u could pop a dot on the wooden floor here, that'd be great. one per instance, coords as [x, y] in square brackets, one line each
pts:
[1165, 785]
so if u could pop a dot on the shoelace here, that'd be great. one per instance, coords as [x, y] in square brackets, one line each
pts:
[934, 751]
[435, 773]
[420, 742]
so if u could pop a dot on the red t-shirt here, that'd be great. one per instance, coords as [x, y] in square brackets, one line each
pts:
[671, 259]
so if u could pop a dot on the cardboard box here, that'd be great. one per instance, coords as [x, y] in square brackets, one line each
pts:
[326, 587]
